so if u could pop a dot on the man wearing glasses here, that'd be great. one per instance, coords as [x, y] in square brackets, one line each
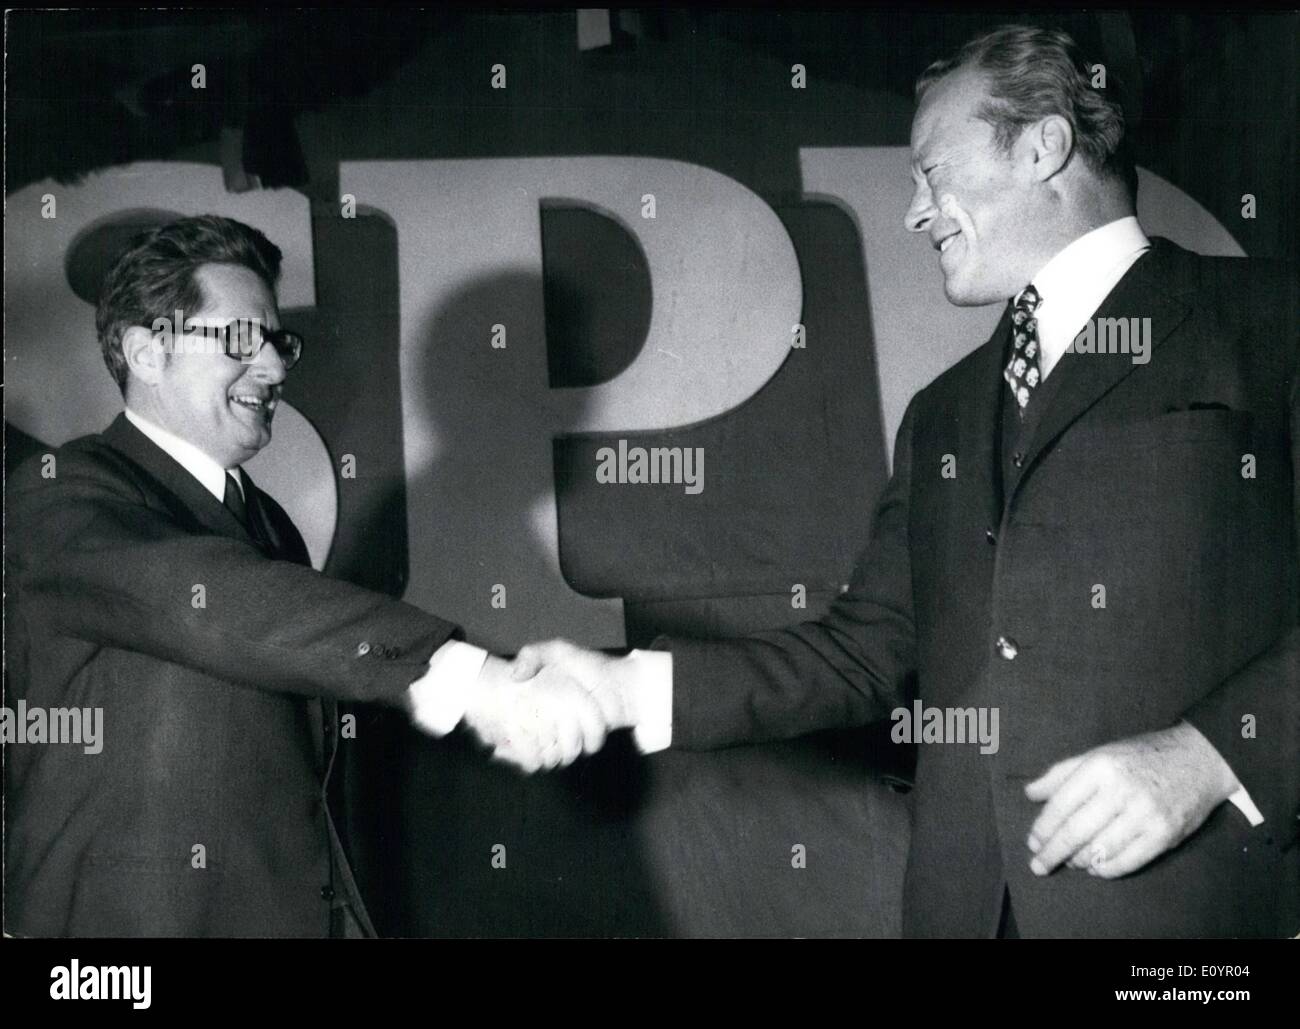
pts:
[149, 578]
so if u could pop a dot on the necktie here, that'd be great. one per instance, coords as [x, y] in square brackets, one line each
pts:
[245, 506]
[1023, 372]
[235, 504]
[239, 506]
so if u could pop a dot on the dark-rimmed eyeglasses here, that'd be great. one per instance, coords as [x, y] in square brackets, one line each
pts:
[242, 340]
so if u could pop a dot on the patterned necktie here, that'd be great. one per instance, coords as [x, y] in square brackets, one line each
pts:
[1022, 371]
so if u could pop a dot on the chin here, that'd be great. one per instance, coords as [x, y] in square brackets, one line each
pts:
[962, 294]
[247, 449]
[957, 294]
[250, 439]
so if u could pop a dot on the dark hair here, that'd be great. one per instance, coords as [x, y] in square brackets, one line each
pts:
[1032, 73]
[154, 276]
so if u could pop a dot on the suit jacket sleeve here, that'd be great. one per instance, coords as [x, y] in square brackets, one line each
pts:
[850, 667]
[92, 560]
[1266, 760]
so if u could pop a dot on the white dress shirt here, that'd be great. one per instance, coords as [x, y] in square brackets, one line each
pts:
[199, 464]
[441, 695]
[1072, 286]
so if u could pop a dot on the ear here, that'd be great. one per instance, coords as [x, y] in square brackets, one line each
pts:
[145, 354]
[1045, 146]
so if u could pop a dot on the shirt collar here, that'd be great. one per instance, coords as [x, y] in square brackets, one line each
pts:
[1090, 257]
[203, 467]
[1074, 283]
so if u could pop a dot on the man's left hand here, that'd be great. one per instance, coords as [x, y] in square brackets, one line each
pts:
[1119, 806]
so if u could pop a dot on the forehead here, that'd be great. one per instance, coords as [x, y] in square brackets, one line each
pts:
[946, 114]
[235, 290]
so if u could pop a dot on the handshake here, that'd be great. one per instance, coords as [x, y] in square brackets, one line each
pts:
[552, 703]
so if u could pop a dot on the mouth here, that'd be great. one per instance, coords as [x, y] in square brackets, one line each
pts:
[262, 405]
[943, 244]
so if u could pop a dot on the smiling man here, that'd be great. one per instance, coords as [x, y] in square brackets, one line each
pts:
[149, 578]
[229, 405]
[1112, 567]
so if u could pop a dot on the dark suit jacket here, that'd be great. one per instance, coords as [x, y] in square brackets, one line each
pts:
[213, 730]
[1133, 479]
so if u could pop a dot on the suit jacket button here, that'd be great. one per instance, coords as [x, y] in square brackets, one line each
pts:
[327, 893]
[363, 650]
[1007, 648]
[1017, 459]
[990, 538]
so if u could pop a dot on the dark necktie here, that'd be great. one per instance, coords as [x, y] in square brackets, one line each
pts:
[1023, 372]
[248, 512]
[235, 504]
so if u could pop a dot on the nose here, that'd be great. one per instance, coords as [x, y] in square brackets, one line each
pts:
[921, 212]
[268, 365]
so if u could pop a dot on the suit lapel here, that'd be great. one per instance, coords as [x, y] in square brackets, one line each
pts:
[981, 424]
[275, 542]
[180, 489]
[1144, 292]
[191, 494]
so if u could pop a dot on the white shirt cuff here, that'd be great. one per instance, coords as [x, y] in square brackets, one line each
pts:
[440, 697]
[650, 682]
[1241, 799]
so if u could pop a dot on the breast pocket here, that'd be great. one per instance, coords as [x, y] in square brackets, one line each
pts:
[1182, 461]
[1203, 425]
[1210, 425]
[1160, 504]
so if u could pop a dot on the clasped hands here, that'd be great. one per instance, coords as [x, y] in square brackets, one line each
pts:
[554, 702]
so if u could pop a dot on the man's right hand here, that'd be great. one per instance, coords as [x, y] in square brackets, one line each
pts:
[606, 679]
[554, 702]
[544, 719]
